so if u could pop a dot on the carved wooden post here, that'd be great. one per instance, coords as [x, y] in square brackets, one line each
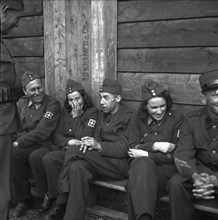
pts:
[80, 43]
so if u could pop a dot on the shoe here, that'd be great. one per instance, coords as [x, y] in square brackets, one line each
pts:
[20, 210]
[46, 205]
[57, 212]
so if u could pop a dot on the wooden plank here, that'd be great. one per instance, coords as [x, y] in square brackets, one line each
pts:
[178, 107]
[209, 206]
[105, 213]
[176, 33]
[32, 7]
[60, 59]
[55, 48]
[184, 88]
[78, 30]
[49, 46]
[103, 41]
[25, 47]
[28, 27]
[186, 60]
[112, 184]
[35, 64]
[161, 10]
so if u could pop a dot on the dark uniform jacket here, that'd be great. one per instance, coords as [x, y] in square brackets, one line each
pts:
[111, 132]
[78, 127]
[39, 124]
[144, 136]
[8, 110]
[197, 150]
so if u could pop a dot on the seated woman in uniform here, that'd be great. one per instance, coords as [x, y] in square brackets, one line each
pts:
[153, 135]
[77, 120]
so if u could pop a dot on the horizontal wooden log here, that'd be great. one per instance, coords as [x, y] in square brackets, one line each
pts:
[186, 60]
[25, 47]
[32, 7]
[178, 107]
[184, 88]
[28, 27]
[161, 10]
[35, 64]
[176, 33]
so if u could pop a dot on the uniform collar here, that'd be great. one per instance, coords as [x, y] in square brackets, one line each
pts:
[210, 123]
[36, 106]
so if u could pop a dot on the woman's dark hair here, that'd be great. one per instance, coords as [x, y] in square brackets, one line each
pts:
[143, 112]
[86, 99]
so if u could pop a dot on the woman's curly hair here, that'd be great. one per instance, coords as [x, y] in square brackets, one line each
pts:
[143, 112]
[86, 99]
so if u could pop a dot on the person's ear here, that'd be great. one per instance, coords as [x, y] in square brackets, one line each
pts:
[24, 91]
[203, 99]
[118, 98]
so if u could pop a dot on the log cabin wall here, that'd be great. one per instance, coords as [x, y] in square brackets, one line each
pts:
[26, 42]
[168, 41]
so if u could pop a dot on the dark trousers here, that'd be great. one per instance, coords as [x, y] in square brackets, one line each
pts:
[181, 199]
[5, 174]
[21, 167]
[52, 163]
[38, 171]
[147, 182]
[79, 170]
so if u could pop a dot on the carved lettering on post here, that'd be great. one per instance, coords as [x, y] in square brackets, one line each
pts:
[85, 51]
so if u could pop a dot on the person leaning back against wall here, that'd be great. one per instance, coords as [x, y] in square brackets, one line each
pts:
[196, 156]
[39, 114]
[9, 119]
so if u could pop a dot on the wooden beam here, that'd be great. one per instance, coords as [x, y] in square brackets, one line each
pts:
[25, 47]
[103, 43]
[78, 31]
[28, 27]
[162, 10]
[172, 60]
[175, 33]
[55, 48]
[80, 43]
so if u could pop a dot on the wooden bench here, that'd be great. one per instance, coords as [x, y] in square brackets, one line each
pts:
[209, 207]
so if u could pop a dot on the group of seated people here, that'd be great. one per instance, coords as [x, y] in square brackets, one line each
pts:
[159, 150]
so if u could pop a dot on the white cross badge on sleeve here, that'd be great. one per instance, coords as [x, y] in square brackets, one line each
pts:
[91, 123]
[48, 115]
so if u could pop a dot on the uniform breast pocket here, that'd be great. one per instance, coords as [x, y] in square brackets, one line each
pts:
[201, 146]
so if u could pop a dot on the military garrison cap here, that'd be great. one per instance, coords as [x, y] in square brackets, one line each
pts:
[111, 86]
[151, 89]
[13, 4]
[73, 86]
[28, 76]
[209, 80]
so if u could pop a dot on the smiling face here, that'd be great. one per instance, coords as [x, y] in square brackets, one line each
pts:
[75, 99]
[157, 107]
[35, 91]
[9, 20]
[211, 98]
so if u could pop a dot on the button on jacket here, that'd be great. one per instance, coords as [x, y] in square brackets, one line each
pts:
[144, 136]
[38, 124]
[75, 128]
[197, 149]
[110, 128]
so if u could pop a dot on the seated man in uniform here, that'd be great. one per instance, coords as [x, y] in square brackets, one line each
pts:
[196, 156]
[100, 156]
[39, 115]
